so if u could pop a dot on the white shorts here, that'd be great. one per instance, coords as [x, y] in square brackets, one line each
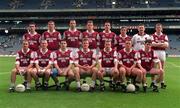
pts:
[22, 70]
[161, 54]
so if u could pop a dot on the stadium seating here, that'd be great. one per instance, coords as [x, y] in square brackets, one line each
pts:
[88, 4]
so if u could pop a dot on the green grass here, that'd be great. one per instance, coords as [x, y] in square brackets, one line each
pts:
[168, 98]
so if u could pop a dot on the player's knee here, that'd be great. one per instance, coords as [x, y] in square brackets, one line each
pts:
[14, 71]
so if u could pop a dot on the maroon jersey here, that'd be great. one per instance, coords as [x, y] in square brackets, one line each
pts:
[127, 59]
[63, 59]
[43, 58]
[24, 59]
[147, 59]
[159, 39]
[33, 40]
[106, 36]
[85, 58]
[108, 59]
[120, 42]
[73, 38]
[53, 39]
[92, 37]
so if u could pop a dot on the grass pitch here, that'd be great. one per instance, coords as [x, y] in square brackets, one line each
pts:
[167, 98]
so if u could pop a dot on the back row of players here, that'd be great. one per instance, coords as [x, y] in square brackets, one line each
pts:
[92, 53]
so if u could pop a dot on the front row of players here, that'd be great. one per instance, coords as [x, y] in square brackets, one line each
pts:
[120, 66]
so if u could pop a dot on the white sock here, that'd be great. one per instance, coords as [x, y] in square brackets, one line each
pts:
[28, 85]
[93, 84]
[162, 81]
[12, 85]
[78, 84]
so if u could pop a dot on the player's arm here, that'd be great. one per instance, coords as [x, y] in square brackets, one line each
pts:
[115, 61]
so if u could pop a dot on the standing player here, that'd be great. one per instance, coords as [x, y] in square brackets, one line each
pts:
[32, 37]
[62, 64]
[148, 59]
[85, 64]
[73, 37]
[107, 34]
[43, 62]
[91, 35]
[52, 36]
[108, 65]
[120, 40]
[24, 61]
[128, 60]
[139, 38]
[160, 44]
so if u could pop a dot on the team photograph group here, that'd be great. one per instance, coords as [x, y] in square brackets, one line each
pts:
[101, 56]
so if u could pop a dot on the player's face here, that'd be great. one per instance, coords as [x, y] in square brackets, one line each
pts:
[148, 45]
[25, 45]
[32, 27]
[141, 29]
[51, 26]
[44, 44]
[108, 45]
[85, 44]
[107, 26]
[128, 44]
[123, 31]
[90, 26]
[63, 44]
[72, 24]
[159, 28]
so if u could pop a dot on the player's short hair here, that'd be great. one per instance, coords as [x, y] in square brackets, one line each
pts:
[128, 39]
[72, 20]
[25, 41]
[141, 24]
[159, 24]
[90, 21]
[85, 39]
[107, 22]
[123, 27]
[43, 40]
[51, 21]
[32, 23]
[148, 41]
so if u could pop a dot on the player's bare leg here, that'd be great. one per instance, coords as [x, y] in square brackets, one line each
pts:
[13, 80]
[122, 78]
[139, 75]
[77, 77]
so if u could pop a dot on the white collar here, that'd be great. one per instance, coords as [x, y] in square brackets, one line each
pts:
[84, 51]
[42, 51]
[51, 32]
[24, 52]
[63, 51]
[157, 34]
[122, 36]
[90, 32]
[126, 51]
[106, 32]
[106, 51]
[32, 34]
[73, 30]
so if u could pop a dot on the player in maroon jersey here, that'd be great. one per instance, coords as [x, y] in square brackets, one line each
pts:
[148, 59]
[52, 36]
[85, 64]
[120, 40]
[73, 37]
[91, 35]
[63, 63]
[107, 34]
[43, 62]
[160, 44]
[108, 64]
[24, 61]
[128, 60]
[32, 36]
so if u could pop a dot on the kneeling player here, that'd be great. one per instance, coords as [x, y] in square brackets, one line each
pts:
[24, 61]
[85, 64]
[62, 64]
[108, 65]
[128, 59]
[148, 59]
[43, 62]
